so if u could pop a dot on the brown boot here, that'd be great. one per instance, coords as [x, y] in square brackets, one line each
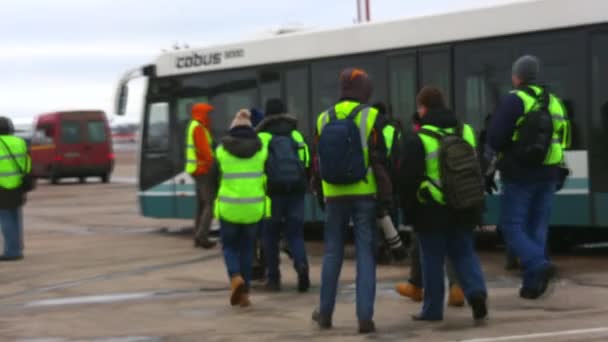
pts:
[456, 297]
[237, 284]
[408, 290]
[245, 302]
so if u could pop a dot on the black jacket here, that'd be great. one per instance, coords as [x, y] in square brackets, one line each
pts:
[282, 124]
[429, 216]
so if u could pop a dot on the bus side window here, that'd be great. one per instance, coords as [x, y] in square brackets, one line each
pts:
[157, 127]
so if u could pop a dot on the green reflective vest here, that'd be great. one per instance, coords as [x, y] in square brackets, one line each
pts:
[303, 151]
[365, 119]
[241, 198]
[433, 172]
[10, 174]
[561, 127]
[191, 159]
[389, 136]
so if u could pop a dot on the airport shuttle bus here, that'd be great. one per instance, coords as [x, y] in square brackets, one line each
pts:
[468, 54]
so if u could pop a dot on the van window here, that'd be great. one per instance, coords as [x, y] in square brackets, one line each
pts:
[42, 136]
[71, 132]
[97, 131]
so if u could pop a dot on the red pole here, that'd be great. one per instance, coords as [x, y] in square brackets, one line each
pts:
[367, 11]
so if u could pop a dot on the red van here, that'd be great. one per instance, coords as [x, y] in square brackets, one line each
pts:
[72, 144]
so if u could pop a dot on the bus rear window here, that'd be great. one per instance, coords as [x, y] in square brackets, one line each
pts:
[97, 131]
[71, 132]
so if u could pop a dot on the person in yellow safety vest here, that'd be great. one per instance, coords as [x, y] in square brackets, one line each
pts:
[442, 230]
[351, 163]
[242, 202]
[15, 164]
[199, 163]
[287, 185]
[528, 189]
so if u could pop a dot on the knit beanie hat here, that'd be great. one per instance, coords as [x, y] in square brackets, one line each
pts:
[527, 68]
[256, 116]
[275, 107]
[355, 84]
[242, 118]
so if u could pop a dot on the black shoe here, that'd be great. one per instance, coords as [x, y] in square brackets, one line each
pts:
[11, 258]
[303, 280]
[548, 278]
[419, 318]
[323, 321]
[367, 327]
[273, 286]
[479, 306]
[204, 243]
[528, 293]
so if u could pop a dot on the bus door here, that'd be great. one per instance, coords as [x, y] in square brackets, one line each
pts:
[156, 168]
[598, 158]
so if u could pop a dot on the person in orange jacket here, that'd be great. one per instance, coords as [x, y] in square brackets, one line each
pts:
[200, 164]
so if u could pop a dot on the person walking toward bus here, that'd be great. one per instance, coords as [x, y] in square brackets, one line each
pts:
[288, 162]
[241, 202]
[351, 160]
[15, 165]
[200, 164]
[443, 196]
[530, 131]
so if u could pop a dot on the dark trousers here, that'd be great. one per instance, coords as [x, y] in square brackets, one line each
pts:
[363, 214]
[525, 216]
[416, 267]
[287, 217]
[11, 221]
[237, 245]
[205, 198]
[458, 246]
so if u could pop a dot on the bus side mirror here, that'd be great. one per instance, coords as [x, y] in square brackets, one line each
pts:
[121, 99]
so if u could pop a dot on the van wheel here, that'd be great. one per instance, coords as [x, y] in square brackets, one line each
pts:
[105, 178]
[82, 180]
[54, 179]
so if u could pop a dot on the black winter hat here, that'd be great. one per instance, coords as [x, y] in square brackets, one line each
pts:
[275, 107]
[6, 126]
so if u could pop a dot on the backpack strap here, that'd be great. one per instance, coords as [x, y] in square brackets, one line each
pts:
[544, 98]
[430, 133]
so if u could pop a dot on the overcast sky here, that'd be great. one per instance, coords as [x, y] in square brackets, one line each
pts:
[68, 54]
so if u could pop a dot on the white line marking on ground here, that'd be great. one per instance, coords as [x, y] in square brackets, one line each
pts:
[540, 335]
[89, 299]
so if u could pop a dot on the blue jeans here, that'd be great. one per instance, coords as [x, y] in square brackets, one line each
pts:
[363, 214]
[524, 220]
[458, 246]
[287, 216]
[12, 230]
[237, 245]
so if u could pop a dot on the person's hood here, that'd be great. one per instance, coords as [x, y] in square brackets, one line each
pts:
[278, 124]
[355, 84]
[200, 113]
[442, 118]
[242, 142]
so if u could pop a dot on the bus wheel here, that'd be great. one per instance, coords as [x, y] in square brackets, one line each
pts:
[105, 178]
[82, 180]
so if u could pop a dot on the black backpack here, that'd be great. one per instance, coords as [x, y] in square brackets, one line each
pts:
[535, 132]
[461, 177]
[340, 149]
[286, 172]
